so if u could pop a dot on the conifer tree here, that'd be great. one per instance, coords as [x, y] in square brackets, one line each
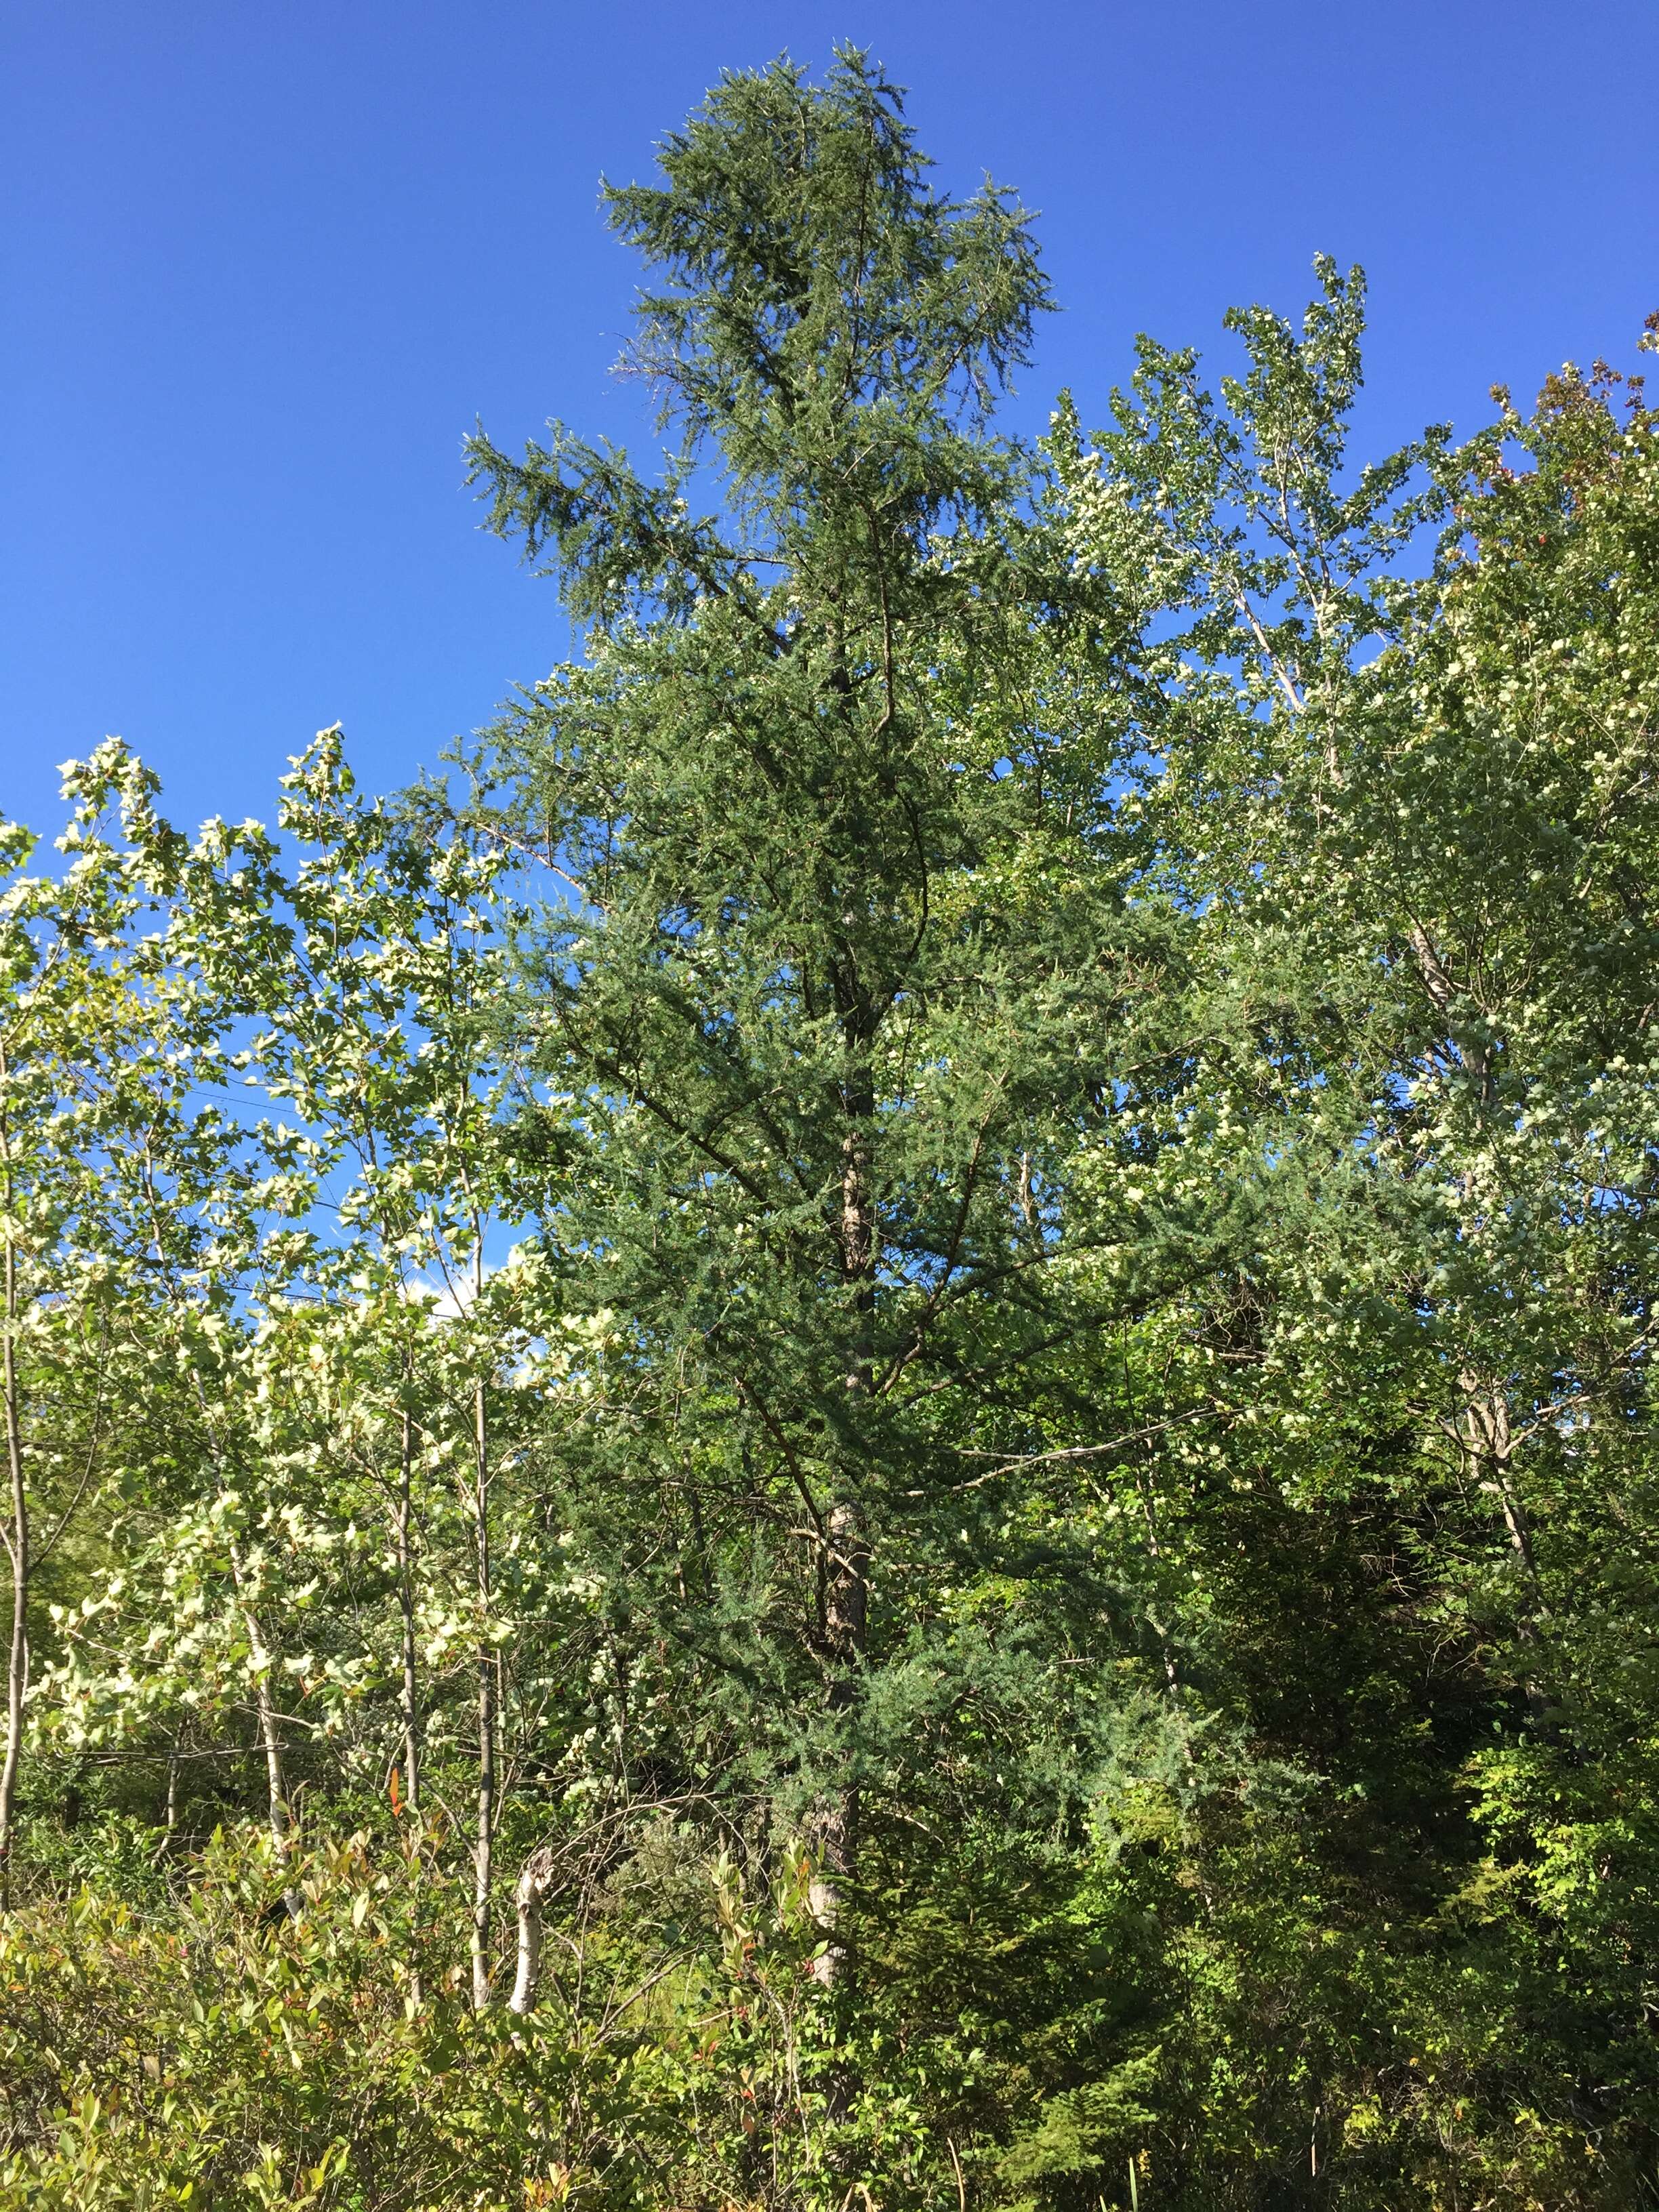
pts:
[822, 1031]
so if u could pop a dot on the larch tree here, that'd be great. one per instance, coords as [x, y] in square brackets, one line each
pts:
[822, 1034]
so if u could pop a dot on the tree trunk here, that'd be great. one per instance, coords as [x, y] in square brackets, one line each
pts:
[409, 1697]
[1487, 1439]
[17, 1532]
[278, 1809]
[282, 1826]
[171, 1814]
[486, 1828]
[846, 1610]
[279, 1813]
[17, 1547]
[846, 1625]
[528, 1899]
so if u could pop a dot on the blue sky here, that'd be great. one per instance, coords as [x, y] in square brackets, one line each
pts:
[263, 267]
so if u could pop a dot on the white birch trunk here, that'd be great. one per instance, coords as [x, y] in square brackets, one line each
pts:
[528, 1899]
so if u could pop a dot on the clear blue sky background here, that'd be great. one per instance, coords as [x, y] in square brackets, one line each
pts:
[264, 265]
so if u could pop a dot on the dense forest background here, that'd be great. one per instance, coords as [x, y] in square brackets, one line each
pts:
[875, 1428]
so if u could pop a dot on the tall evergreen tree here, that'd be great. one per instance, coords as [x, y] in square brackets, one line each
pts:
[824, 1033]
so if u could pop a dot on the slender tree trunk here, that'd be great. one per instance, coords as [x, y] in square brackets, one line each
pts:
[171, 1815]
[1175, 1693]
[486, 1830]
[279, 1813]
[1489, 1423]
[17, 1534]
[845, 1617]
[1488, 1440]
[278, 1806]
[409, 1691]
[17, 1546]
[1484, 1429]
[270, 1742]
[845, 1622]
[409, 1697]
[1166, 1650]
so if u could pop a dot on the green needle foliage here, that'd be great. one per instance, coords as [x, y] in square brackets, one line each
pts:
[877, 1430]
[825, 1049]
